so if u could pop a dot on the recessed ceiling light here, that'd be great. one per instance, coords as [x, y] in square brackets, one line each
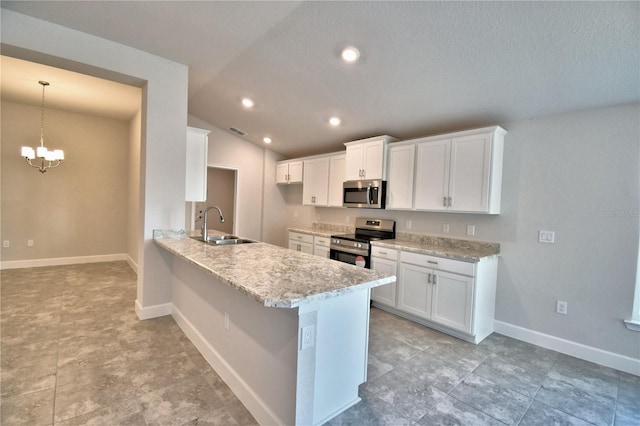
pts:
[350, 54]
[266, 139]
[335, 121]
[248, 103]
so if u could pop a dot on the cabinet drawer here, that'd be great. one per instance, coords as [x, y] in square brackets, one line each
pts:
[321, 241]
[440, 263]
[305, 238]
[385, 253]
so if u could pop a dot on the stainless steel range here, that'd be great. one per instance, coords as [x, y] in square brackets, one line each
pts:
[356, 248]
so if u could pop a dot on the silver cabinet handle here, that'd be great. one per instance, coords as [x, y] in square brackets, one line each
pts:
[383, 252]
[450, 203]
[435, 279]
[444, 201]
[429, 278]
[433, 262]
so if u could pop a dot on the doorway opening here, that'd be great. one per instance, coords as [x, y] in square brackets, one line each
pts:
[221, 192]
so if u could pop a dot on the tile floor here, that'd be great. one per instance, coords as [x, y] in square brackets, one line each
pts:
[73, 353]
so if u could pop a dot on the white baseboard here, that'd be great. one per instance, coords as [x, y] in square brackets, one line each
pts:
[57, 261]
[567, 347]
[132, 264]
[240, 388]
[154, 311]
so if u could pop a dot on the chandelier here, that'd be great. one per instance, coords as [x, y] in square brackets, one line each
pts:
[48, 159]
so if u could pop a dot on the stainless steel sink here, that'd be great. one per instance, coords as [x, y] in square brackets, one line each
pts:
[221, 240]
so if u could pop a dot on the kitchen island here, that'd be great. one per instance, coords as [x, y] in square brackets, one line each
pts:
[287, 331]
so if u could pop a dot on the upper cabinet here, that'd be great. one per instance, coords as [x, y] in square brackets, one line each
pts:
[461, 172]
[196, 167]
[289, 171]
[315, 185]
[366, 158]
[400, 176]
[336, 179]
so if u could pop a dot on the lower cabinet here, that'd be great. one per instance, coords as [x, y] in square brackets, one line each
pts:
[452, 296]
[301, 242]
[308, 243]
[321, 246]
[386, 261]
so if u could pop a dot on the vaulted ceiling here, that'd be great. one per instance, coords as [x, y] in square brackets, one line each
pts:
[425, 67]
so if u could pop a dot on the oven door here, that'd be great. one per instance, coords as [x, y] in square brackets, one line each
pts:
[343, 256]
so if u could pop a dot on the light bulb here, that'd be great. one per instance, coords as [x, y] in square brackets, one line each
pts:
[335, 121]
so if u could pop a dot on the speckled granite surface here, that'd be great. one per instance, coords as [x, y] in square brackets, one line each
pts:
[324, 229]
[273, 276]
[467, 250]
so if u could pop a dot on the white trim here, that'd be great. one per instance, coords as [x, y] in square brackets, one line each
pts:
[632, 325]
[132, 264]
[578, 350]
[154, 311]
[37, 263]
[239, 387]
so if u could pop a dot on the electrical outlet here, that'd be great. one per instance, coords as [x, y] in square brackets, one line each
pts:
[471, 230]
[226, 321]
[6, 244]
[445, 228]
[307, 337]
[347, 220]
[561, 307]
[29, 243]
[407, 224]
[548, 237]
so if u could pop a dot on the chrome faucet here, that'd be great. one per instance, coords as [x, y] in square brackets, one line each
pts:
[204, 220]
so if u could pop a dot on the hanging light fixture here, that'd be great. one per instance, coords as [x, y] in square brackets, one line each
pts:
[48, 159]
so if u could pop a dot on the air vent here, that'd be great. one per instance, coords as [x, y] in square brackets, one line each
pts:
[237, 131]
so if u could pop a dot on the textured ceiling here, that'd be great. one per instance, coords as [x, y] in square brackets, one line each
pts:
[426, 67]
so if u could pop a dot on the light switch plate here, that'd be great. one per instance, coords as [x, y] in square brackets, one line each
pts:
[471, 230]
[547, 237]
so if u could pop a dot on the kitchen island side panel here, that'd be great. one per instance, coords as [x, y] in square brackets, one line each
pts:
[256, 356]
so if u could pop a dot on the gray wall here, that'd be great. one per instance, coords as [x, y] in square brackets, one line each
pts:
[77, 209]
[575, 174]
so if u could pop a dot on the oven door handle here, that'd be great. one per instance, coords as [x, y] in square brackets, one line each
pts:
[350, 251]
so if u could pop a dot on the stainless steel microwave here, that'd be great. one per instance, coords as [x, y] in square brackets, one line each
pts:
[364, 194]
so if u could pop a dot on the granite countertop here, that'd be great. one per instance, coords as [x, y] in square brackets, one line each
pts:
[324, 229]
[272, 275]
[465, 250]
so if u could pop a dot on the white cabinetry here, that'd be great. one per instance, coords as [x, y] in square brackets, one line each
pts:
[461, 173]
[289, 172]
[321, 246]
[315, 183]
[196, 167]
[301, 242]
[453, 296]
[400, 176]
[336, 179]
[366, 159]
[386, 261]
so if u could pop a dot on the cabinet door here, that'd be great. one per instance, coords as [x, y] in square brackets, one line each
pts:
[315, 183]
[336, 179]
[414, 292]
[373, 160]
[295, 172]
[470, 172]
[452, 301]
[321, 251]
[300, 246]
[353, 162]
[400, 177]
[196, 167]
[385, 294]
[282, 173]
[432, 175]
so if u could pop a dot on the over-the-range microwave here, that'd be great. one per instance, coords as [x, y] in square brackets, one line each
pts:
[364, 194]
